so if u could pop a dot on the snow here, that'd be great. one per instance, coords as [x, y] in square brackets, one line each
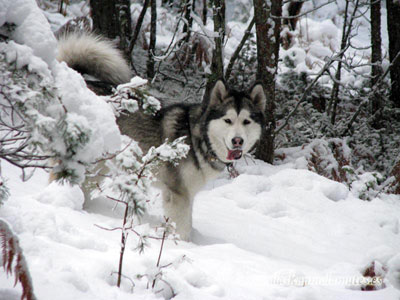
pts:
[255, 237]
[32, 27]
[93, 112]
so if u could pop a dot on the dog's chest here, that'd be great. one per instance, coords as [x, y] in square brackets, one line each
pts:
[195, 178]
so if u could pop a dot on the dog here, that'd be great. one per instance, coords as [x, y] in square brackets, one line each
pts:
[218, 132]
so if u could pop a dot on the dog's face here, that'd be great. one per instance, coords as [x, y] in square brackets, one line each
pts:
[234, 121]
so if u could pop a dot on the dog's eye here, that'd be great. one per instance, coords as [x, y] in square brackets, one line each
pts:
[246, 122]
[228, 121]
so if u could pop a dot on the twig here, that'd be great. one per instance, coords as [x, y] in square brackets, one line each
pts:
[113, 155]
[161, 248]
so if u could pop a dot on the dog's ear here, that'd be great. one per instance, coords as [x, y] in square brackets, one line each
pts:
[258, 96]
[218, 93]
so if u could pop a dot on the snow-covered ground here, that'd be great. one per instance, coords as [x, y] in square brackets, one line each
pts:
[255, 237]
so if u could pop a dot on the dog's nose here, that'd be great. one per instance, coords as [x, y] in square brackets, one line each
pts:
[237, 142]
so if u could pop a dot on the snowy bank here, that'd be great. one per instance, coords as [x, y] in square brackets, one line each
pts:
[255, 237]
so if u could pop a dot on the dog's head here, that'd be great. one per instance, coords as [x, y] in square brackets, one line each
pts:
[234, 120]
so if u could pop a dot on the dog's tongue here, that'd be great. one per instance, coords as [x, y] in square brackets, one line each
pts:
[234, 154]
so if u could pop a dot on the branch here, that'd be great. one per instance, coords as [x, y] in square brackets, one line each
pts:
[308, 88]
[346, 36]
[235, 55]
[373, 90]
[161, 248]
[138, 26]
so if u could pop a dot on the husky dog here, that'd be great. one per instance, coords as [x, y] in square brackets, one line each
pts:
[218, 133]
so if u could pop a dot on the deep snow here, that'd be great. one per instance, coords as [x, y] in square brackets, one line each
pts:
[252, 234]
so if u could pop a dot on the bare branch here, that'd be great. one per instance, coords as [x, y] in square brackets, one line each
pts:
[308, 89]
[235, 55]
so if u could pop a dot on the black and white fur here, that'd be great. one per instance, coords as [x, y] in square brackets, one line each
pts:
[218, 132]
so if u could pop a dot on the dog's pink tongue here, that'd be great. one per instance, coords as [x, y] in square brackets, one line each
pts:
[234, 154]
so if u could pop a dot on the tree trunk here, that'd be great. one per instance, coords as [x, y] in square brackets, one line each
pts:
[112, 19]
[152, 44]
[188, 7]
[376, 60]
[393, 13]
[138, 25]
[204, 15]
[376, 41]
[217, 63]
[267, 58]
[346, 35]
[124, 26]
[103, 13]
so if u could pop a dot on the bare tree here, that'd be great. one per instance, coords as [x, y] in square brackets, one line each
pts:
[376, 60]
[152, 44]
[393, 13]
[188, 8]
[112, 18]
[267, 58]
[204, 12]
[345, 43]
[217, 64]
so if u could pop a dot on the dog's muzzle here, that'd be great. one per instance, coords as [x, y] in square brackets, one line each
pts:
[236, 152]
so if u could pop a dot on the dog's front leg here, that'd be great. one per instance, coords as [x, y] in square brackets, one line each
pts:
[178, 208]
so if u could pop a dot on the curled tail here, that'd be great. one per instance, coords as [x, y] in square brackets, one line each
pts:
[93, 55]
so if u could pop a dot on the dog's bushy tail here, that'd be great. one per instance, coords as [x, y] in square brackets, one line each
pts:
[90, 54]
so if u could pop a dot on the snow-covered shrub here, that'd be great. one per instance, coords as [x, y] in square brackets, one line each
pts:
[331, 158]
[131, 173]
[374, 144]
[132, 95]
[46, 109]
[327, 157]
[128, 182]
[310, 121]
[34, 124]
[367, 185]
